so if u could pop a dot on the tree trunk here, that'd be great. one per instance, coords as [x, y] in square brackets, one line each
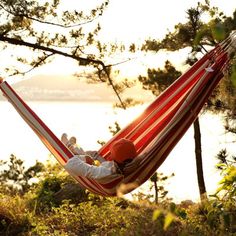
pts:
[156, 192]
[198, 153]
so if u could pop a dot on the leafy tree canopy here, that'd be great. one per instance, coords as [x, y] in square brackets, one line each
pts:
[160, 79]
[199, 36]
[47, 30]
[196, 33]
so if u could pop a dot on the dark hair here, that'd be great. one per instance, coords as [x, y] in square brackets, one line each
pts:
[122, 165]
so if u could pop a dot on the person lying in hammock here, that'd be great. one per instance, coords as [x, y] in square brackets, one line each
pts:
[90, 164]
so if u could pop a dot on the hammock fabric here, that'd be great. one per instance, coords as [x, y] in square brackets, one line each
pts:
[155, 132]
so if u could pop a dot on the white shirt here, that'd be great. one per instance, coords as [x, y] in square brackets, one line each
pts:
[77, 166]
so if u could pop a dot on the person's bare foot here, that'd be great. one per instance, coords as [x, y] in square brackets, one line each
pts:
[70, 143]
[64, 138]
[72, 140]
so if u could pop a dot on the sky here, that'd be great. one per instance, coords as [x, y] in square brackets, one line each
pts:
[139, 19]
[133, 21]
[136, 20]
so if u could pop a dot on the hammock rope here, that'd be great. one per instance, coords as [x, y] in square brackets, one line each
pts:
[156, 131]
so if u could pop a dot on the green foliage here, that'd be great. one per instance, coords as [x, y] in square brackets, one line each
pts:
[114, 130]
[218, 32]
[158, 181]
[160, 79]
[200, 36]
[111, 216]
[227, 185]
[196, 33]
[46, 190]
[233, 74]
[170, 215]
[217, 216]
[14, 215]
[54, 188]
[18, 179]
[48, 28]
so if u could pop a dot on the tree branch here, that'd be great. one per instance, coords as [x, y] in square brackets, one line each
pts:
[48, 22]
[82, 60]
[38, 63]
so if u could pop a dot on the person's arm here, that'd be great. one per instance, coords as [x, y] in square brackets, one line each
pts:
[133, 165]
[77, 150]
[77, 166]
[95, 155]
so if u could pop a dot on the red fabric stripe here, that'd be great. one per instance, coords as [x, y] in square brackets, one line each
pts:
[59, 143]
[158, 101]
[156, 123]
[183, 124]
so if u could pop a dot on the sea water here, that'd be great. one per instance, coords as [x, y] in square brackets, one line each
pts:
[89, 122]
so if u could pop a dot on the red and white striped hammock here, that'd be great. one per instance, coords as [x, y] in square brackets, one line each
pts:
[155, 132]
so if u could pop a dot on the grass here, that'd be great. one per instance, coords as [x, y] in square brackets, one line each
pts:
[112, 216]
[38, 211]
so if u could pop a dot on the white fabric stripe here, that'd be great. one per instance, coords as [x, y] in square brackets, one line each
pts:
[181, 112]
[190, 97]
[175, 94]
[155, 142]
[134, 131]
[168, 143]
[36, 126]
[159, 120]
[29, 118]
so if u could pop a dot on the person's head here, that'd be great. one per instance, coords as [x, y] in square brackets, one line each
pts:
[122, 150]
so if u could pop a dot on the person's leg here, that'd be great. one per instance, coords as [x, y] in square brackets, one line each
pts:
[69, 143]
[72, 140]
[64, 138]
[76, 149]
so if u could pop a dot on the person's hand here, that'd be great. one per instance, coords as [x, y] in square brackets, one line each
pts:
[89, 160]
[92, 153]
[132, 166]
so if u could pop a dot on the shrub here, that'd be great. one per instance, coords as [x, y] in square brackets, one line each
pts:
[14, 216]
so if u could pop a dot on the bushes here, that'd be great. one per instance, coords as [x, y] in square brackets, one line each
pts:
[56, 205]
[53, 190]
[113, 216]
[96, 216]
[105, 217]
[218, 215]
[17, 179]
[45, 192]
[210, 218]
[14, 215]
